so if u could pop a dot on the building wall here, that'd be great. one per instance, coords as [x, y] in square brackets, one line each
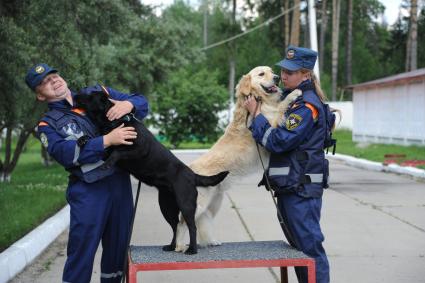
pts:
[392, 114]
[346, 119]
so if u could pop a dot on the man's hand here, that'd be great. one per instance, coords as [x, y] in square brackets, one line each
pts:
[119, 136]
[252, 105]
[119, 109]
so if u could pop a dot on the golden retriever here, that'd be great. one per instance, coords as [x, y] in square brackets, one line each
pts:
[235, 151]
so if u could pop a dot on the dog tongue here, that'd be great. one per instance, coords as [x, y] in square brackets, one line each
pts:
[273, 88]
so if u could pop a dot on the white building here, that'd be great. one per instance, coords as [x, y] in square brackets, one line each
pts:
[390, 110]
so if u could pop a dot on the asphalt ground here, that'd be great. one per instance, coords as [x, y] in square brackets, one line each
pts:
[374, 226]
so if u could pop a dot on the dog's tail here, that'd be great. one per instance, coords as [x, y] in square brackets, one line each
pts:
[206, 181]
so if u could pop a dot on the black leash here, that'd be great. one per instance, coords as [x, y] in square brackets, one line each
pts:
[287, 232]
[129, 236]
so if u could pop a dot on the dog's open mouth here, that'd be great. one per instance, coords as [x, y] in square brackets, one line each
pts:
[270, 89]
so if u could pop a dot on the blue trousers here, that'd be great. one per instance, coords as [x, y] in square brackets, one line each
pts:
[100, 211]
[302, 218]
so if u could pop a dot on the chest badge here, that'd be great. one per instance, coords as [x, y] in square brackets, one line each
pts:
[293, 121]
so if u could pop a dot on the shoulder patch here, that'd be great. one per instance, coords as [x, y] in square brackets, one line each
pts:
[313, 109]
[43, 139]
[293, 121]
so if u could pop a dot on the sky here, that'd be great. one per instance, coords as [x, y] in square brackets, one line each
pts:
[391, 10]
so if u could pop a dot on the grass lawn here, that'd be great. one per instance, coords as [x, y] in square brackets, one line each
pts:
[375, 152]
[34, 194]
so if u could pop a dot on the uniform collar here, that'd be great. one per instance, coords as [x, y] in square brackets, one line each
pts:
[61, 104]
[304, 86]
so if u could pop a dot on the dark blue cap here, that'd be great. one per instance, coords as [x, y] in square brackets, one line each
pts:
[297, 58]
[37, 73]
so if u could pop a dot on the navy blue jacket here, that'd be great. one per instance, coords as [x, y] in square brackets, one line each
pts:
[61, 127]
[297, 162]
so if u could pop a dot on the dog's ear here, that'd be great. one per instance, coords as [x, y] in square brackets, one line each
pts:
[81, 100]
[245, 85]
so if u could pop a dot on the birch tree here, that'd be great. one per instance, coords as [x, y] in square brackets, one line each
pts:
[412, 40]
[335, 43]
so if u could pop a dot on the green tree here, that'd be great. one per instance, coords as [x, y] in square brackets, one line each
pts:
[188, 106]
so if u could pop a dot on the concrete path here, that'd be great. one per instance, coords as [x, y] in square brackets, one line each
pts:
[373, 222]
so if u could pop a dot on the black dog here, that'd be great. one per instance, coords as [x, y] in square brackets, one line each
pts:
[150, 162]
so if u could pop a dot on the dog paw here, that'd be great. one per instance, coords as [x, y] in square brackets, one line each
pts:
[181, 248]
[191, 251]
[214, 243]
[168, 248]
[294, 94]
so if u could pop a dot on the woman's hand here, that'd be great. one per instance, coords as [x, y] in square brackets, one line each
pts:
[119, 109]
[119, 136]
[252, 106]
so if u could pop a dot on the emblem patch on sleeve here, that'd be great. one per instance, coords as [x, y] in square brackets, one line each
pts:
[293, 121]
[43, 139]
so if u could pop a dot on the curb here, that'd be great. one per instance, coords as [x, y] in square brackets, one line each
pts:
[377, 166]
[20, 254]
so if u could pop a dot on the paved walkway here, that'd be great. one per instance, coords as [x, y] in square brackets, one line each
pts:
[373, 222]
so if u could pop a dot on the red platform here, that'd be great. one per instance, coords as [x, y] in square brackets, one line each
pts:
[228, 255]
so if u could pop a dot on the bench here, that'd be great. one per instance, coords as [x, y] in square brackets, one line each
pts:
[228, 255]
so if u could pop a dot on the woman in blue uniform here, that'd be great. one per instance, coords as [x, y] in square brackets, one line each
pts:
[101, 200]
[298, 170]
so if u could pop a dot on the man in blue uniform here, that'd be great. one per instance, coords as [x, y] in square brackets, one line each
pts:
[101, 200]
[298, 169]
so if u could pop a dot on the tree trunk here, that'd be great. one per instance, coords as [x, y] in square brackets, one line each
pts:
[10, 162]
[205, 23]
[323, 28]
[335, 42]
[412, 40]
[286, 23]
[348, 58]
[307, 42]
[46, 159]
[295, 26]
[232, 65]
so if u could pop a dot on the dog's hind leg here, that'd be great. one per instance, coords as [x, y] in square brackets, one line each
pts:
[170, 211]
[187, 204]
[180, 235]
[205, 222]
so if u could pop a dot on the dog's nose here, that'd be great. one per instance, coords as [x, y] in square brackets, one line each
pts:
[276, 79]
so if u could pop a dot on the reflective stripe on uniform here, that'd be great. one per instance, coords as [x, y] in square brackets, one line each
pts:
[315, 178]
[76, 150]
[76, 155]
[111, 275]
[266, 136]
[284, 171]
[278, 171]
[91, 166]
